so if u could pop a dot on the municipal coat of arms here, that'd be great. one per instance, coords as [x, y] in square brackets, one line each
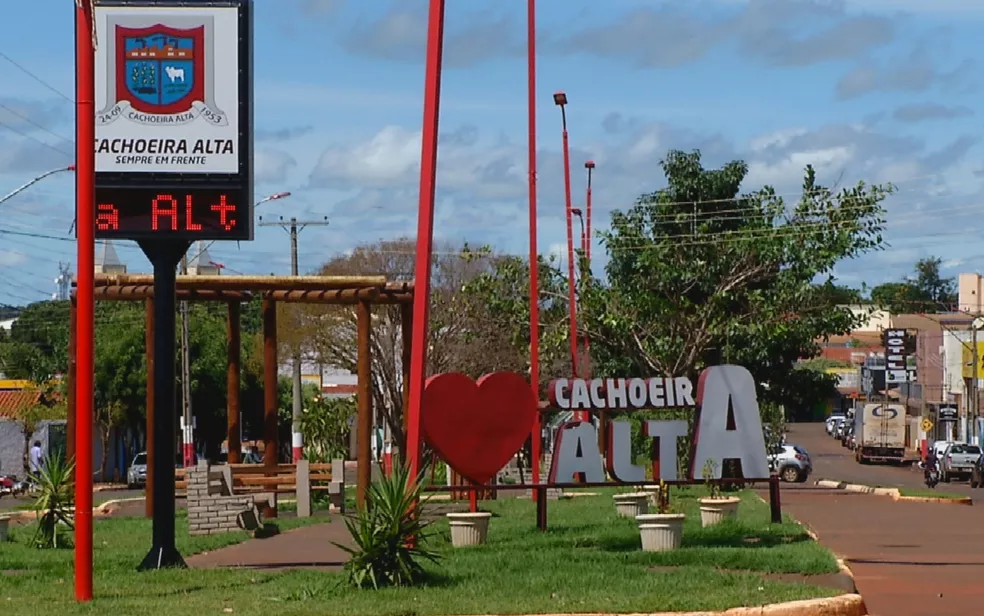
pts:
[159, 75]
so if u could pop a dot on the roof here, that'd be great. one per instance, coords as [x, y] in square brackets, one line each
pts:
[14, 402]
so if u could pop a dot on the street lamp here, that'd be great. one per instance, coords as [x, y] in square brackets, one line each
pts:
[560, 99]
[24, 187]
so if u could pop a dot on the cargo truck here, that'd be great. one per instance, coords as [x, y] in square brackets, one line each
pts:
[880, 433]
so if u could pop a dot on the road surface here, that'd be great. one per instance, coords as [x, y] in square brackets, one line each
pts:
[831, 461]
[908, 559]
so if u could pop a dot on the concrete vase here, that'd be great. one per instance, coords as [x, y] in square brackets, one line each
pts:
[631, 505]
[468, 529]
[660, 532]
[716, 510]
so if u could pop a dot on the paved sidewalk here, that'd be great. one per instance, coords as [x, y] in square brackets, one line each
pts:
[908, 559]
[309, 547]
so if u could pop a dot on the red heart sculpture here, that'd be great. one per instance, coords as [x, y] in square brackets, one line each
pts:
[477, 427]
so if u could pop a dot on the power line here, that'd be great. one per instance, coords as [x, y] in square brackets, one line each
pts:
[36, 78]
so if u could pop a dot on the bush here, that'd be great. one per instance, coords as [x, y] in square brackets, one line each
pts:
[53, 505]
[389, 535]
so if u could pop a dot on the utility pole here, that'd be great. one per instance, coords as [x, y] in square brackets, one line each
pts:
[293, 227]
[187, 423]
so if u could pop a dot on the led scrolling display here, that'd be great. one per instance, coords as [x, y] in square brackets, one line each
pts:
[149, 212]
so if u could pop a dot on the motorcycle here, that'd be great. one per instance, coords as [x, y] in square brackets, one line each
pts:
[9, 486]
[931, 475]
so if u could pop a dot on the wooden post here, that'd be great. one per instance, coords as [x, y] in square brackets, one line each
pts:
[70, 419]
[364, 436]
[149, 352]
[406, 332]
[233, 416]
[270, 453]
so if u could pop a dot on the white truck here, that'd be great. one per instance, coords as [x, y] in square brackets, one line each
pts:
[880, 433]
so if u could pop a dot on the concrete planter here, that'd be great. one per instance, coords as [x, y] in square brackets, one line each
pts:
[716, 510]
[468, 529]
[4, 529]
[653, 493]
[660, 532]
[631, 505]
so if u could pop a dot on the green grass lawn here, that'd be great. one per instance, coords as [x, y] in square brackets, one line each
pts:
[927, 493]
[589, 561]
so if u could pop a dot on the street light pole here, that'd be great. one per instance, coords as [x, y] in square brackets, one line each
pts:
[27, 185]
[293, 227]
[560, 99]
[589, 165]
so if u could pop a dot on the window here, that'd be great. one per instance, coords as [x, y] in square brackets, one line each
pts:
[967, 449]
[140, 459]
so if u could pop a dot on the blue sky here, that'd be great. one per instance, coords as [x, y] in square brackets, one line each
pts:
[884, 90]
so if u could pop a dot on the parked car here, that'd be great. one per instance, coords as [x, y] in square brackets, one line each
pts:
[792, 462]
[977, 475]
[959, 460]
[852, 440]
[847, 435]
[832, 422]
[136, 475]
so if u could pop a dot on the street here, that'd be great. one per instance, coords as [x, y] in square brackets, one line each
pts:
[831, 461]
[908, 559]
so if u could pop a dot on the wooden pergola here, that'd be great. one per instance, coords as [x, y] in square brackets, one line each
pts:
[361, 291]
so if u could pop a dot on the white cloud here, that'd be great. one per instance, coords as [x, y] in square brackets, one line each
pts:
[10, 259]
[271, 166]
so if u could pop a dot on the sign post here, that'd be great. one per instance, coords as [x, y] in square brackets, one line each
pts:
[174, 151]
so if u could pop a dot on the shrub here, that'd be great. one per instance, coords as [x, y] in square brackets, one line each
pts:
[389, 534]
[53, 504]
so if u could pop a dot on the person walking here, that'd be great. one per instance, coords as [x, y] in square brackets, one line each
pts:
[35, 462]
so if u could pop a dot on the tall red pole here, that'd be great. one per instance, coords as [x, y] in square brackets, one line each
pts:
[535, 436]
[85, 179]
[572, 298]
[425, 229]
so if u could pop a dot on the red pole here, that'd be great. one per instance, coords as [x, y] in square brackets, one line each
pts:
[572, 298]
[425, 228]
[535, 436]
[85, 179]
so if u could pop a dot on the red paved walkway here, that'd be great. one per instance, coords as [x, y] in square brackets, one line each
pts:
[307, 547]
[908, 559]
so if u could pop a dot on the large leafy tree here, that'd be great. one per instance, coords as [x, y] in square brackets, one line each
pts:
[701, 274]
[926, 290]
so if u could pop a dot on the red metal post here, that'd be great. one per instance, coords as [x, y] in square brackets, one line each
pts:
[85, 193]
[535, 436]
[572, 293]
[425, 228]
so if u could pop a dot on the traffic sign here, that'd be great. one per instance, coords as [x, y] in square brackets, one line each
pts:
[927, 424]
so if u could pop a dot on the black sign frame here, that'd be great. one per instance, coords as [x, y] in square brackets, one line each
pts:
[241, 182]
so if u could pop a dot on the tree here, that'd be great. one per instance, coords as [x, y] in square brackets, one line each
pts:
[926, 291]
[328, 334]
[700, 274]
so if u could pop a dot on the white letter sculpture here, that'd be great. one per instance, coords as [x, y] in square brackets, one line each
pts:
[719, 388]
[620, 464]
[667, 431]
[576, 455]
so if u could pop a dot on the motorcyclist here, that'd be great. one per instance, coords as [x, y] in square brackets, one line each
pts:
[931, 464]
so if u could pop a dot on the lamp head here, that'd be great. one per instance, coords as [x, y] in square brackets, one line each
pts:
[560, 99]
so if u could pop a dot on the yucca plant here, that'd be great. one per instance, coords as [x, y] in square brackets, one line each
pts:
[55, 497]
[389, 535]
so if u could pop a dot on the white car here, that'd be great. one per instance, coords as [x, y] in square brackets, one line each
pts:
[832, 423]
[136, 475]
[792, 462]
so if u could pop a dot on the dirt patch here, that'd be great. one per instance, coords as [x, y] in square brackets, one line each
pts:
[836, 581]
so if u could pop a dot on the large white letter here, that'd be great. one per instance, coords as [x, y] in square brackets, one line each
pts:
[597, 399]
[719, 388]
[576, 455]
[619, 457]
[638, 393]
[667, 432]
[617, 398]
[558, 394]
[579, 394]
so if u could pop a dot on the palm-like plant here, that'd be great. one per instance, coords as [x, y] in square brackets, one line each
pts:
[55, 496]
[389, 535]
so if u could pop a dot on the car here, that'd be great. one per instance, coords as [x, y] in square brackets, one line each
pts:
[136, 475]
[959, 460]
[832, 422]
[792, 462]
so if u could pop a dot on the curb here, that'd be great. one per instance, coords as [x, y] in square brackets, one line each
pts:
[894, 493]
[843, 605]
